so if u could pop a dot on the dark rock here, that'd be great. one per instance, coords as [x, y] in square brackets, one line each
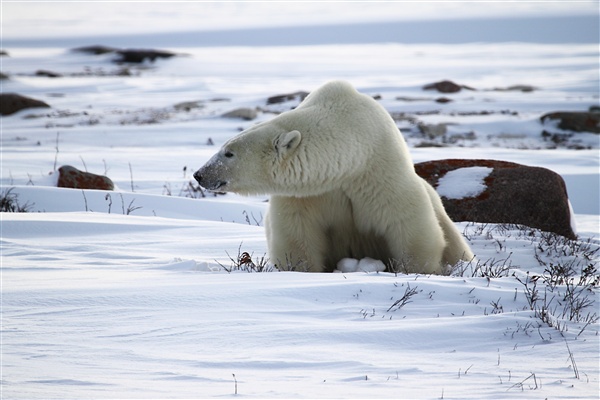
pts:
[48, 74]
[10, 103]
[575, 121]
[446, 87]
[517, 88]
[71, 177]
[189, 105]
[514, 194]
[3, 76]
[281, 98]
[3, 53]
[95, 50]
[139, 56]
[443, 100]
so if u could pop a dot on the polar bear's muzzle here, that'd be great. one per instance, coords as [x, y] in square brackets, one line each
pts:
[205, 180]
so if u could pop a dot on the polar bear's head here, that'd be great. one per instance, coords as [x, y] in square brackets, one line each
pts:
[253, 161]
[307, 151]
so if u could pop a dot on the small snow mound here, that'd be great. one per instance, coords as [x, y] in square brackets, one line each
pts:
[182, 265]
[347, 265]
[463, 182]
[364, 265]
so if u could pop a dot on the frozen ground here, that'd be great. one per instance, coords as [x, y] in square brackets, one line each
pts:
[124, 294]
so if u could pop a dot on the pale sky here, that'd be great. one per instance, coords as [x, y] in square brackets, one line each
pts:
[46, 19]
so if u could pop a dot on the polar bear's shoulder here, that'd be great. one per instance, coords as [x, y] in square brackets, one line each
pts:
[332, 92]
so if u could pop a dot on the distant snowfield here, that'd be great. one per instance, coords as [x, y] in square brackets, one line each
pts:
[124, 294]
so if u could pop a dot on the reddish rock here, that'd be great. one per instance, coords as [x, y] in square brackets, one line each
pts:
[10, 103]
[71, 177]
[514, 194]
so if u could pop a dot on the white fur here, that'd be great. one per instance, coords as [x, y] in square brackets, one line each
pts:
[342, 184]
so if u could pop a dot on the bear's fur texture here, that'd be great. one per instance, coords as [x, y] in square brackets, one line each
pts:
[342, 184]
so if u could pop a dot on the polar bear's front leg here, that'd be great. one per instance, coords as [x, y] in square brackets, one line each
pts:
[295, 237]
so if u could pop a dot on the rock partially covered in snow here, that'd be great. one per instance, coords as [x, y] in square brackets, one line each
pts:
[246, 113]
[575, 121]
[501, 192]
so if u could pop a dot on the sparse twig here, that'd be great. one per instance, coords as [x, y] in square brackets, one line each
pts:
[108, 197]
[85, 200]
[131, 177]
[575, 369]
[522, 383]
[56, 153]
[405, 299]
[83, 162]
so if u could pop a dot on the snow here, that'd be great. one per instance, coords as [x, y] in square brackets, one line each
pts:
[366, 264]
[463, 182]
[134, 293]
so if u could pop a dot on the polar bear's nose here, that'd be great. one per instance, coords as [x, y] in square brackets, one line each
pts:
[198, 177]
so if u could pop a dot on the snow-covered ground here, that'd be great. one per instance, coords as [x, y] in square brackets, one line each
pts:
[125, 294]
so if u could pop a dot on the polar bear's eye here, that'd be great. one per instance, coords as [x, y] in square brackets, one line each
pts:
[228, 154]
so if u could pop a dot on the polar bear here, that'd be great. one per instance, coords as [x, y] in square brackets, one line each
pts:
[342, 185]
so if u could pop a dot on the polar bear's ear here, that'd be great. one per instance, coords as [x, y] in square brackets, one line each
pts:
[286, 142]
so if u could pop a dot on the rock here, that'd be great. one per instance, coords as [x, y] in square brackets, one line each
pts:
[281, 98]
[188, 105]
[95, 50]
[575, 121]
[513, 194]
[3, 53]
[139, 56]
[517, 88]
[446, 87]
[443, 100]
[3, 76]
[48, 74]
[71, 177]
[10, 103]
[411, 99]
[433, 130]
[244, 113]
